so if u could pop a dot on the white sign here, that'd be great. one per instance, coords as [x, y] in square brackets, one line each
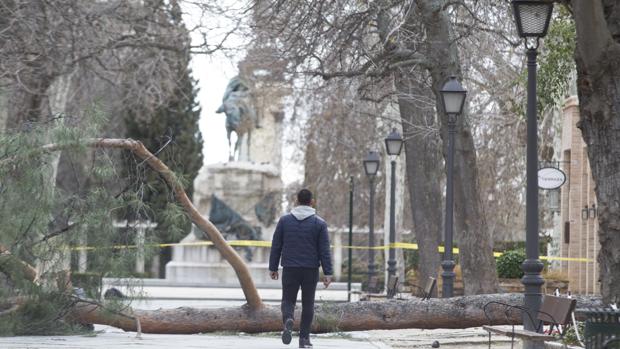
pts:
[550, 178]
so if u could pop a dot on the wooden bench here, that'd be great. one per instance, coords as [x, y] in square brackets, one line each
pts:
[391, 288]
[426, 292]
[555, 311]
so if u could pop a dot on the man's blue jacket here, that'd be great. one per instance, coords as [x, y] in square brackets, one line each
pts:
[301, 240]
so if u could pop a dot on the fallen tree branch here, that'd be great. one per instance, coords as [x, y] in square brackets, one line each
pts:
[100, 308]
[11, 305]
[11, 310]
[458, 312]
[212, 233]
[15, 268]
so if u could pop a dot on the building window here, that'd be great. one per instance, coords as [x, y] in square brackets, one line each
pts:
[567, 232]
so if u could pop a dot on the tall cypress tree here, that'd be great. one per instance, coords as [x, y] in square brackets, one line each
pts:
[172, 132]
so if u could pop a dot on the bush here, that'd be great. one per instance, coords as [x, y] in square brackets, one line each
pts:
[509, 264]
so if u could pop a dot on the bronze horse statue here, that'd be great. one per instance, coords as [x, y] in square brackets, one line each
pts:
[240, 113]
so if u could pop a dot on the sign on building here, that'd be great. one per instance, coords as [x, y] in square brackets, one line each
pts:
[550, 178]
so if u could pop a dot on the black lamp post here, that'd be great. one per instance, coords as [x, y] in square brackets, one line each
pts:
[393, 146]
[532, 19]
[371, 167]
[453, 98]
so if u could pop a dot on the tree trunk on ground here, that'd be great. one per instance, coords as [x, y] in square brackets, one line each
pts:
[476, 247]
[423, 173]
[457, 312]
[598, 61]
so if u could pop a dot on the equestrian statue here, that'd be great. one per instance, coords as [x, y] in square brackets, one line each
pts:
[240, 113]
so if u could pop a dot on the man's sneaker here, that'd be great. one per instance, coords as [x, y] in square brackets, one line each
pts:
[287, 333]
[304, 343]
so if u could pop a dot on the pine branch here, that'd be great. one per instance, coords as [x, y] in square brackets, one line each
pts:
[212, 233]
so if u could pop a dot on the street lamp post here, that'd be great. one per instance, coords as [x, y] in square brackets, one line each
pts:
[350, 260]
[532, 19]
[453, 98]
[393, 146]
[371, 166]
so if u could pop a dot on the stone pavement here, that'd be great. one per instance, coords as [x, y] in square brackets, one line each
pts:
[468, 338]
[111, 338]
[118, 340]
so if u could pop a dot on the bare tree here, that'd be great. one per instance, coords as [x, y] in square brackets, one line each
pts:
[368, 42]
[597, 56]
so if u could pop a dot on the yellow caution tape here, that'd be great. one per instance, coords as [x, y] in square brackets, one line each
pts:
[263, 243]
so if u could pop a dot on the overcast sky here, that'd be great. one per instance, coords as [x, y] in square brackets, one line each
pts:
[213, 73]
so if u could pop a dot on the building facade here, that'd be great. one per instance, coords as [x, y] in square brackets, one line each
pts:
[579, 226]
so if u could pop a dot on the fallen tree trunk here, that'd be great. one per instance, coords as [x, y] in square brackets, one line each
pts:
[458, 312]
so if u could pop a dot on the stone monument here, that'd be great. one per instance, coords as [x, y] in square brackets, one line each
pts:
[243, 196]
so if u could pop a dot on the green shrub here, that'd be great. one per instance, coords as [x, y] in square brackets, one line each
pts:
[509, 264]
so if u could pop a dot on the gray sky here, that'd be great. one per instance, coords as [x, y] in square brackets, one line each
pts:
[213, 73]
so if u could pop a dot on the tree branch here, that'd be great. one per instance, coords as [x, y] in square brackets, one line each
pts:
[212, 233]
[593, 36]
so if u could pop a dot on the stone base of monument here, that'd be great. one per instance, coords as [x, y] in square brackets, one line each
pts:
[204, 264]
[241, 185]
[213, 273]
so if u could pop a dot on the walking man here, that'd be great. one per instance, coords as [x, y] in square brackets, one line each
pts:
[302, 242]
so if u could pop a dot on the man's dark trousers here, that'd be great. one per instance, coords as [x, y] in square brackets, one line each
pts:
[292, 279]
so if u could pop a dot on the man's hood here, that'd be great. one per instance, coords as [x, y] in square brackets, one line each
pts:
[302, 212]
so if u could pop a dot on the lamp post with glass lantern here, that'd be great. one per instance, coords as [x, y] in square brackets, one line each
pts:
[371, 167]
[393, 146]
[532, 19]
[453, 98]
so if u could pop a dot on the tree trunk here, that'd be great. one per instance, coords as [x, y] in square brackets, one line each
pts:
[476, 246]
[598, 80]
[457, 312]
[423, 173]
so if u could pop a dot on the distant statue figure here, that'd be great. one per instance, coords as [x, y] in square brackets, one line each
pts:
[240, 114]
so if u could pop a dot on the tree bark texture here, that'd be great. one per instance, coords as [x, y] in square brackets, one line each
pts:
[457, 312]
[423, 174]
[598, 84]
[210, 231]
[476, 246]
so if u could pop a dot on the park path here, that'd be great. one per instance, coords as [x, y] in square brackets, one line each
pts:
[111, 338]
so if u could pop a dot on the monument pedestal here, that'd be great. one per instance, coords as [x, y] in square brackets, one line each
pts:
[204, 264]
[241, 185]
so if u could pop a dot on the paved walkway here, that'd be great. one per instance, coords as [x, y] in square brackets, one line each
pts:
[111, 338]
[118, 340]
